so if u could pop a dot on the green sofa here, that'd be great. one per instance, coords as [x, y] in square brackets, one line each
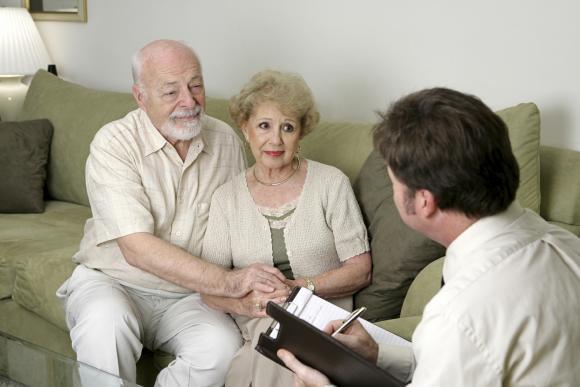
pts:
[36, 249]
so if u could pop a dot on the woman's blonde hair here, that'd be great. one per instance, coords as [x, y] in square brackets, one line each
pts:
[288, 91]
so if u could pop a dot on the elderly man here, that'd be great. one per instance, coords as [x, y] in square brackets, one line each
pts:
[150, 177]
[508, 313]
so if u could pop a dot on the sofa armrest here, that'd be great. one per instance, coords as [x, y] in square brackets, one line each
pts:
[403, 327]
[424, 287]
[560, 187]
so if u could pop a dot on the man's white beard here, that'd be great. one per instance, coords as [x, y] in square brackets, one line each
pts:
[186, 130]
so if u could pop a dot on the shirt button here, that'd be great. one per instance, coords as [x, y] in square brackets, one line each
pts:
[178, 233]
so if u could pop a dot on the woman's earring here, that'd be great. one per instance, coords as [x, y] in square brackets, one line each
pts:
[297, 157]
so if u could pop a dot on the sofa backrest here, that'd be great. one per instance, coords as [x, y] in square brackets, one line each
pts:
[76, 113]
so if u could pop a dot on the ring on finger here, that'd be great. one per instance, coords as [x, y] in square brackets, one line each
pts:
[258, 306]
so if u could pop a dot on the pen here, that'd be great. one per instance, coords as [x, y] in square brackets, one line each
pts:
[349, 320]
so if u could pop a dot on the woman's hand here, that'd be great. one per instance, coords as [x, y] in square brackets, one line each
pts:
[254, 303]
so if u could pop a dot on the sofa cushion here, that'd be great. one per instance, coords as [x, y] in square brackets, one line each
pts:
[25, 235]
[24, 148]
[424, 287]
[398, 252]
[343, 145]
[38, 276]
[523, 122]
[402, 327]
[76, 113]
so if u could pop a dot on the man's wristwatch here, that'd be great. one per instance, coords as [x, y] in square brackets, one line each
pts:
[310, 285]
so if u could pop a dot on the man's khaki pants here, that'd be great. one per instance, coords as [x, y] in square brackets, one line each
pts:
[110, 323]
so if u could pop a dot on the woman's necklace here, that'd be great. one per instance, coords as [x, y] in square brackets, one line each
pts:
[294, 170]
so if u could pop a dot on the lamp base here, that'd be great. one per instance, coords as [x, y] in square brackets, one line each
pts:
[12, 93]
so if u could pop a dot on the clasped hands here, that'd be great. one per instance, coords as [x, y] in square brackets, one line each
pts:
[257, 284]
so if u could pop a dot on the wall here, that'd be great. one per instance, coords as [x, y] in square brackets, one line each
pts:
[356, 55]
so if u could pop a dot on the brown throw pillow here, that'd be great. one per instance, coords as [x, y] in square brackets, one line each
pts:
[398, 252]
[24, 148]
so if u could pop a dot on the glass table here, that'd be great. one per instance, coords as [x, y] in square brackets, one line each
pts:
[26, 364]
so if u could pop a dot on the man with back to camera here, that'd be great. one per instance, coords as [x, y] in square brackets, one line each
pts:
[508, 312]
[150, 177]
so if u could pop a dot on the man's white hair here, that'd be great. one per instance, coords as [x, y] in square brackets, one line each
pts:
[138, 58]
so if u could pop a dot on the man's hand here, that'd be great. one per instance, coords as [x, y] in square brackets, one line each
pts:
[257, 276]
[356, 338]
[254, 303]
[304, 376]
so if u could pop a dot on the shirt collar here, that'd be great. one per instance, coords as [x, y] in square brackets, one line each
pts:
[154, 141]
[459, 251]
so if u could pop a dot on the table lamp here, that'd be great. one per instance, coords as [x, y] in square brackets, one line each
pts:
[22, 53]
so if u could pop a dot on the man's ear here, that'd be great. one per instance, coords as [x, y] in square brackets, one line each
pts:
[426, 203]
[138, 95]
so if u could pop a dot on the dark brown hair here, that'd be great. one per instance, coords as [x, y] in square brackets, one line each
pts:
[452, 145]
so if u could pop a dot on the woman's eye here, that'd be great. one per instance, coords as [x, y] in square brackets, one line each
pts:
[263, 125]
[169, 93]
[289, 128]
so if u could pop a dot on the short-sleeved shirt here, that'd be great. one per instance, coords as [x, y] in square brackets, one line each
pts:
[137, 182]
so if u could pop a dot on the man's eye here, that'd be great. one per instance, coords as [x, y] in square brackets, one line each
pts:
[289, 128]
[169, 93]
[263, 125]
[196, 87]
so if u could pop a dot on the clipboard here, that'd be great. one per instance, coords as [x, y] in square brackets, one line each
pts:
[317, 349]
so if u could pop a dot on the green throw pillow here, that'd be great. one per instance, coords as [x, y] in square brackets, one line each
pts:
[398, 252]
[24, 148]
[523, 122]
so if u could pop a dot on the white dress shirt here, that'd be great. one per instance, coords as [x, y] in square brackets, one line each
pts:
[509, 312]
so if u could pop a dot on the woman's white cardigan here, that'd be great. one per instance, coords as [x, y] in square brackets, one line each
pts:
[325, 229]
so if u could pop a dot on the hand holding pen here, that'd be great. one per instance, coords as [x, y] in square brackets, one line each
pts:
[355, 337]
[349, 320]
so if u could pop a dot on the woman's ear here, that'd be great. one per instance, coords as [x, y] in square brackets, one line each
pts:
[244, 129]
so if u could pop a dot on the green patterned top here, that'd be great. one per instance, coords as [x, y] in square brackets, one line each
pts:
[278, 218]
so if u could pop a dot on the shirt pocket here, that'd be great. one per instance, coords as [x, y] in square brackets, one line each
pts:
[200, 218]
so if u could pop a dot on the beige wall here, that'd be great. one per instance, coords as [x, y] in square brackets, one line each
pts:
[357, 55]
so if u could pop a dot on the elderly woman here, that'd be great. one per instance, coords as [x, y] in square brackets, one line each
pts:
[298, 215]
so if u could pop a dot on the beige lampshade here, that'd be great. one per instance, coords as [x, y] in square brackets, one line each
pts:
[22, 51]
